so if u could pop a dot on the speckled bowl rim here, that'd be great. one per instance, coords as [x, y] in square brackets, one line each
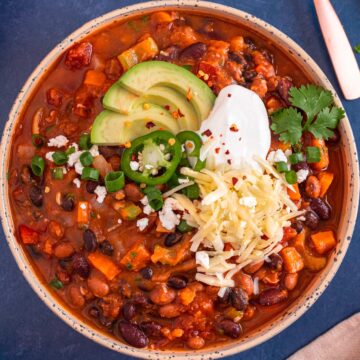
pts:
[303, 302]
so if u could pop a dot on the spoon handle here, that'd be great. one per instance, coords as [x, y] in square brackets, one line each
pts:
[340, 51]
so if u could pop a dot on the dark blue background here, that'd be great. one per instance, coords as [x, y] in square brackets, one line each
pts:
[28, 31]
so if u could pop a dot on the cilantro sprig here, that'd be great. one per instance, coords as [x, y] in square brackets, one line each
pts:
[322, 117]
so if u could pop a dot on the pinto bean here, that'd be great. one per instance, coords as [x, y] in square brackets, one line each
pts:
[162, 295]
[196, 342]
[75, 296]
[133, 335]
[321, 208]
[193, 52]
[272, 296]
[290, 281]
[244, 281]
[56, 230]
[63, 250]
[97, 284]
[133, 192]
[313, 187]
[253, 267]
[170, 311]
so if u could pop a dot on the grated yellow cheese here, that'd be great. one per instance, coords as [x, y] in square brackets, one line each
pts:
[247, 209]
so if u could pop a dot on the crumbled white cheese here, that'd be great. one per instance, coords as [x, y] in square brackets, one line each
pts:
[147, 209]
[94, 151]
[167, 216]
[83, 206]
[73, 158]
[58, 141]
[203, 259]
[302, 175]
[142, 223]
[75, 146]
[248, 201]
[79, 167]
[134, 165]
[48, 156]
[77, 182]
[276, 156]
[119, 221]
[101, 192]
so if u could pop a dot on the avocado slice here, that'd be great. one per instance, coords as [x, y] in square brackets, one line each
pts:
[119, 100]
[111, 128]
[141, 77]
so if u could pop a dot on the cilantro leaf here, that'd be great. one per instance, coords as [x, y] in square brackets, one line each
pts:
[287, 123]
[326, 120]
[311, 99]
[357, 48]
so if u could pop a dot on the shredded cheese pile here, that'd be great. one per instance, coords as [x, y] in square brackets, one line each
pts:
[246, 209]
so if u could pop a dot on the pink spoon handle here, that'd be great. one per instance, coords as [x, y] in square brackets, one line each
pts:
[340, 51]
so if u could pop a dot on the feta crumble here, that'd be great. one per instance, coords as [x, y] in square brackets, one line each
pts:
[147, 209]
[58, 141]
[48, 156]
[134, 165]
[77, 182]
[142, 223]
[277, 156]
[168, 218]
[101, 192]
[79, 167]
[302, 175]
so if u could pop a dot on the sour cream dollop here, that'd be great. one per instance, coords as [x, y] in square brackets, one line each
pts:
[236, 130]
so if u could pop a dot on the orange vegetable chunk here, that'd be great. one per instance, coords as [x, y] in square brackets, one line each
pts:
[94, 78]
[294, 195]
[293, 261]
[323, 241]
[104, 264]
[136, 258]
[83, 212]
[326, 178]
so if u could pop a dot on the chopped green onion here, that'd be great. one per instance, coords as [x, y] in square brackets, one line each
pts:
[295, 158]
[313, 154]
[60, 157]
[184, 227]
[37, 165]
[192, 191]
[89, 173]
[291, 177]
[86, 158]
[281, 167]
[57, 173]
[154, 197]
[38, 140]
[70, 150]
[84, 142]
[114, 181]
[56, 284]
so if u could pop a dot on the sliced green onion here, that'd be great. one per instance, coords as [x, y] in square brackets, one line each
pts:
[281, 167]
[89, 173]
[114, 181]
[313, 154]
[84, 142]
[291, 177]
[154, 197]
[192, 191]
[60, 157]
[37, 165]
[56, 284]
[184, 227]
[57, 173]
[38, 140]
[70, 150]
[295, 158]
[86, 158]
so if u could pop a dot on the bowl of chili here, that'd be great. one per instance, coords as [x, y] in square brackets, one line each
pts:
[100, 32]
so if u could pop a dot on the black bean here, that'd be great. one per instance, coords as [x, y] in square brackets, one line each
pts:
[80, 265]
[106, 248]
[250, 43]
[91, 186]
[283, 87]
[26, 175]
[36, 195]
[104, 321]
[169, 54]
[67, 202]
[133, 335]
[226, 298]
[249, 75]
[90, 241]
[193, 52]
[321, 208]
[238, 58]
[276, 262]
[147, 273]
[230, 328]
[151, 329]
[129, 310]
[334, 139]
[298, 226]
[267, 55]
[300, 166]
[272, 296]
[172, 238]
[239, 298]
[94, 312]
[177, 282]
[311, 220]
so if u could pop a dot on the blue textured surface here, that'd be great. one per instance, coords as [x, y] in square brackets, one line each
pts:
[28, 31]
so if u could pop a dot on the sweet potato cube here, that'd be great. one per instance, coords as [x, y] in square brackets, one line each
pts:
[104, 264]
[323, 241]
[293, 261]
[136, 258]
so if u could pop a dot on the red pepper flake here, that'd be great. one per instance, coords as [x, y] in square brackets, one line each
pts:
[227, 152]
[217, 150]
[234, 128]
[207, 133]
[167, 107]
[150, 124]
[229, 161]
[223, 144]
[234, 180]
[229, 95]
[133, 157]
[221, 135]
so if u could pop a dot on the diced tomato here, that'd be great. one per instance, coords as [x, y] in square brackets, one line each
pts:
[28, 236]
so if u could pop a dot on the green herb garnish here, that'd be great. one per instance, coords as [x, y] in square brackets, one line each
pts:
[56, 284]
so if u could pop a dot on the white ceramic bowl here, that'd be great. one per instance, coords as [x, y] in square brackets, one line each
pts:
[350, 202]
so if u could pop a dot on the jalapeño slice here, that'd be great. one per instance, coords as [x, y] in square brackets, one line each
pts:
[192, 143]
